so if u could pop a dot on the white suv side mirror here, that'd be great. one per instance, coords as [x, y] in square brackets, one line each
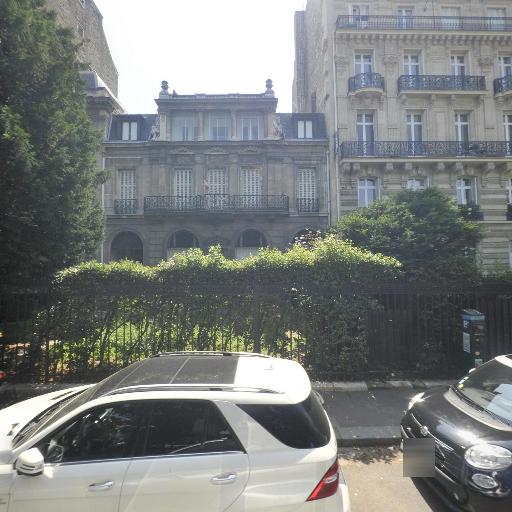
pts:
[30, 463]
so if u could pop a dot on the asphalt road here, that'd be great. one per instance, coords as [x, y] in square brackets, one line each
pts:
[376, 484]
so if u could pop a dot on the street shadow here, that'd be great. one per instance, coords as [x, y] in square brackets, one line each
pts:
[433, 498]
[369, 455]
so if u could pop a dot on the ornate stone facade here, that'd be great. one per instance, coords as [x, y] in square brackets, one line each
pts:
[213, 169]
[415, 94]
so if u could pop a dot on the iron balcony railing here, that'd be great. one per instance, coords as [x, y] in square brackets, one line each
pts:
[308, 205]
[216, 202]
[426, 149]
[441, 83]
[366, 81]
[503, 84]
[448, 23]
[125, 206]
[471, 212]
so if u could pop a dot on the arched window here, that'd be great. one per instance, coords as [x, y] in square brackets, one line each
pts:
[127, 246]
[181, 241]
[249, 243]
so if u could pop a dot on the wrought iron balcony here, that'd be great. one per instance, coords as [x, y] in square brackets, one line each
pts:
[503, 85]
[306, 205]
[426, 149]
[125, 206]
[441, 83]
[216, 203]
[365, 81]
[471, 212]
[448, 23]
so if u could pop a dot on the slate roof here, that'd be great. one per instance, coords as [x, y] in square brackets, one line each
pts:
[288, 124]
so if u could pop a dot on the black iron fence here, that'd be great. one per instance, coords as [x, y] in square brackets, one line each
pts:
[441, 83]
[366, 81]
[449, 23]
[215, 202]
[408, 328]
[308, 205]
[125, 206]
[503, 84]
[426, 149]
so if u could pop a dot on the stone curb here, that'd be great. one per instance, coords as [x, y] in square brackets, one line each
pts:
[387, 384]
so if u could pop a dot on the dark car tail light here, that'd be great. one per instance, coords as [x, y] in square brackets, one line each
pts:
[3, 375]
[328, 485]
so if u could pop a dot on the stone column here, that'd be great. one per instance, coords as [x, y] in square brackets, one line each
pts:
[201, 125]
[234, 134]
[269, 132]
[199, 175]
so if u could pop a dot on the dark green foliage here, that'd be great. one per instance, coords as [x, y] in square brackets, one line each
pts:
[424, 230]
[49, 216]
[106, 316]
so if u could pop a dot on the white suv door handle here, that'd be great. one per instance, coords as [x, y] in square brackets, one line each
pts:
[224, 478]
[105, 486]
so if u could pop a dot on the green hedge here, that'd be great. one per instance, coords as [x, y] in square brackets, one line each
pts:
[104, 316]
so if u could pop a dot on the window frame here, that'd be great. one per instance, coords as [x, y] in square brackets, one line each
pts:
[305, 129]
[472, 187]
[411, 125]
[406, 62]
[362, 63]
[142, 425]
[132, 130]
[419, 179]
[141, 447]
[458, 125]
[455, 66]
[214, 126]
[367, 188]
[503, 67]
[364, 124]
[254, 122]
[126, 187]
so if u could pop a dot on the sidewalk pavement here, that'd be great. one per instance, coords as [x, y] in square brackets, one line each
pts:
[369, 413]
[362, 413]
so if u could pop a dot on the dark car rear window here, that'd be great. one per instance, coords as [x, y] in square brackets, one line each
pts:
[302, 425]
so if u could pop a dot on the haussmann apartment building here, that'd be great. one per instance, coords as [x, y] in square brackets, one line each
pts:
[415, 94]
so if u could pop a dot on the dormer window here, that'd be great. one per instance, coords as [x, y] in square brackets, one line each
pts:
[129, 130]
[304, 129]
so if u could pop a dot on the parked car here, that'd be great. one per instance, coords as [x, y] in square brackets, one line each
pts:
[471, 424]
[184, 431]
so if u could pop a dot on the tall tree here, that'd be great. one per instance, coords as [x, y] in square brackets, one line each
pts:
[424, 230]
[49, 215]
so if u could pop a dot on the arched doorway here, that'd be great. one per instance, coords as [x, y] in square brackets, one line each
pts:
[180, 242]
[249, 243]
[127, 246]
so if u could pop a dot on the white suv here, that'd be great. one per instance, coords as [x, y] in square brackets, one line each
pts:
[180, 432]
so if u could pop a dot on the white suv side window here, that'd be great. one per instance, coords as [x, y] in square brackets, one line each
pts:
[188, 426]
[105, 432]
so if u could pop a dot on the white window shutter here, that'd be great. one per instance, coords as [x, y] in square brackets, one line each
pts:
[127, 184]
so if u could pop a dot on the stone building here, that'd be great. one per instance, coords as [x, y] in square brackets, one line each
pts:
[84, 19]
[415, 94]
[213, 169]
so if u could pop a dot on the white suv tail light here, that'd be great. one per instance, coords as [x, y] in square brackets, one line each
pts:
[328, 485]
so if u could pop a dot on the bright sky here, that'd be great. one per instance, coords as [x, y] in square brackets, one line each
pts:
[206, 46]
